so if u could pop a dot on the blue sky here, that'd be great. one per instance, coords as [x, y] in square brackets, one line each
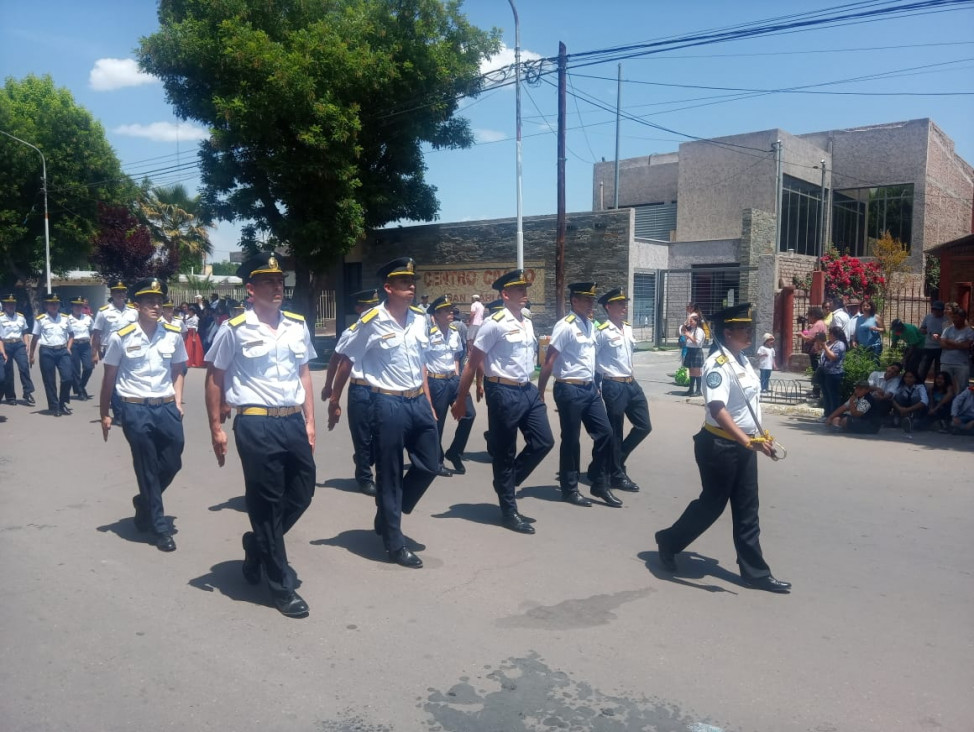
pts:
[88, 46]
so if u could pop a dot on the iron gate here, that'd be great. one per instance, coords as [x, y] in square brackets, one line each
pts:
[711, 287]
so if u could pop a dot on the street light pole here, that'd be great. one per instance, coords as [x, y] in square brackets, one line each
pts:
[47, 231]
[517, 95]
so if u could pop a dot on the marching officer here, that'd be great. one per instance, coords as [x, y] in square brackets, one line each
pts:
[726, 454]
[505, 351]
[621, 393]
[53, 335]
[258, 364]
[443, 369]
[571, 358]
[81, 363]
[14, 332]
[110, 318]
[144, 366]
[359, 403]
[390, 342]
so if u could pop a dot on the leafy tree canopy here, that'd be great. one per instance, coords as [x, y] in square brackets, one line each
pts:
[82, 170]
[123, 249]
[318, 110]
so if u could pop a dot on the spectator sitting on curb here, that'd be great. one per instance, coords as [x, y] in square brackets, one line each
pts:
[910, 401]
[939, 395]
[857, 415]
[962, 412]
[883, 385]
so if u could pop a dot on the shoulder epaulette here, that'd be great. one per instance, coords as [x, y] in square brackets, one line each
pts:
[453, 326]
[20, 314]
[721, 360]
[353, 326]
[122, 332]
[237, 320]
[41, 316]
[526, 315]
[626, 322]
[369, 314]
[434, 329]
[103, 307]
[292, 316]
[171, 327]
[132, 306]
[417, 309]
[570, 318]
[498, 316]
[603, 326]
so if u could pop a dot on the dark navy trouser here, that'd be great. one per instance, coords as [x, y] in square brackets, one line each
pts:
[81, 365]
[577, 405]
[17, 353]
[360, 426]
[400, 423]
[509, 409]
[279, 479]
[56, 362]
[155, 436]
[443, 392]
[625, 399]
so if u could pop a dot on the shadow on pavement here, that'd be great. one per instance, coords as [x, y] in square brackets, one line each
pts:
[125, 529]
[227, 579]
[479, 513]
[478, 457]
[691, 566]
[544, 492]
[364, 543]
[349, 485]
[927, 439]
[237, 503]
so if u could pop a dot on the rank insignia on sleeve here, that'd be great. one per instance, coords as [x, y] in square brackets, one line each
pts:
[714, 379]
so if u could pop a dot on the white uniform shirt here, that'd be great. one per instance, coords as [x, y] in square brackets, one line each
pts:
[719, 385]
[144, 363]
[390, 356]
[262, 365]
[12, 326]
[356, 372]
[613, 349]
[177, 321]
[80, 326]
[110, 319]
[509, 344]
[444, 350]
[877, 380]
[53, 332]
[574, 339]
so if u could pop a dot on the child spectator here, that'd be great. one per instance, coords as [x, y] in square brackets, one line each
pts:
[766, 358]
[939, 396]
[962, 412]
[857, 415]
[909, 402]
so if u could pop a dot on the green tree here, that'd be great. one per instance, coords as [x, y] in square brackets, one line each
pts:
[221, 269]
[318, 111]
[82, 170]
[177, 220]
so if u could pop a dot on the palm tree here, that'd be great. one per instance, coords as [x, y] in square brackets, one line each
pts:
[177, 220]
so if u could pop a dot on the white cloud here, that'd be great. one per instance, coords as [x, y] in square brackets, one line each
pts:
[163, 131]
[109, 74]
[482, 135]
[505, 57]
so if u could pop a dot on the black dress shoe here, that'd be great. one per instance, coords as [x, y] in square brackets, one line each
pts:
[55, 412]
[666, 557]
[575, 498]
[12, 401]
[291, 606]
[65, 409]
[457, 461]
[29, 398]
[251, 562]
[141, 520]
[405, 558]
[605, 493]
[84, 395]
[444, 472]
[768, 584]
[367, 487]
[625, 484]
[164, 543]
[516, 522]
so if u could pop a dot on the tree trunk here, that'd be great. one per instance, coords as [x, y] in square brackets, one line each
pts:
[303, 300]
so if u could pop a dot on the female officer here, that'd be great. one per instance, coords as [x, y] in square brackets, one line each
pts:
[725, 451]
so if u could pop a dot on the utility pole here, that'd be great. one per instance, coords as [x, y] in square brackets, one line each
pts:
[47, 230]
[560, 236]
[517, 103]
[777, 208]
[821, 218]
[615, 200]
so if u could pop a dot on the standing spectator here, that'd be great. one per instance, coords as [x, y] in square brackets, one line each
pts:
[694, 356]
[914, 340]
[962, 412]
[932, 327]
[214, 301]
[816, 325]
[194, 347]
[939, 396]
[838, 316]
[476, 319]
[909, 402]
[956, 342]
[766, 357]
[832, 349]
[852, 310]
[869, 330]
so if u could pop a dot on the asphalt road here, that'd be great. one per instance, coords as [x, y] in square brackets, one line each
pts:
[575, 628]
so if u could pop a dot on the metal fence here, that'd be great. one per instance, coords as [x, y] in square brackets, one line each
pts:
[711, 288]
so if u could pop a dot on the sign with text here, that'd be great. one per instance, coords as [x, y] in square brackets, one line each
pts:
[461, 281]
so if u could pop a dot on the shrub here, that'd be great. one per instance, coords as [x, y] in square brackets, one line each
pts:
[859, 363]
[682, 376]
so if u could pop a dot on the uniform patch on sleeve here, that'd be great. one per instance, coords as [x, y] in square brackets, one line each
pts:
[714, 379]
[721, 359]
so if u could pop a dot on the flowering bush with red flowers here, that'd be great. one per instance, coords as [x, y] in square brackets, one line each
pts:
[847, 276]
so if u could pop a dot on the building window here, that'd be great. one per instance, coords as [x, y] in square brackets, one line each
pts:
[801, 212]
[860, 216]
[643, 299]
[655, 220]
